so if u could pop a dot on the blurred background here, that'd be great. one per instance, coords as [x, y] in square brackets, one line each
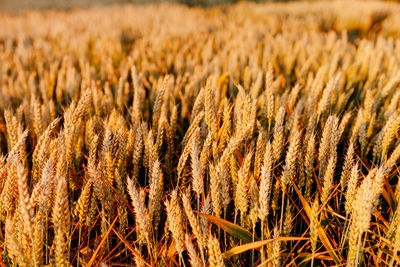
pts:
[16, 5]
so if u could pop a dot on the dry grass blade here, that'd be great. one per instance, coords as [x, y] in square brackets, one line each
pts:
[101, 244]
[254, 245]
[231, 228]
[321, 233]
[129, 246]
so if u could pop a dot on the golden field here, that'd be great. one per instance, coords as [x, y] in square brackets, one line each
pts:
[163, 135]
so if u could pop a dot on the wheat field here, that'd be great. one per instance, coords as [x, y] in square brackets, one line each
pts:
[163, 135]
